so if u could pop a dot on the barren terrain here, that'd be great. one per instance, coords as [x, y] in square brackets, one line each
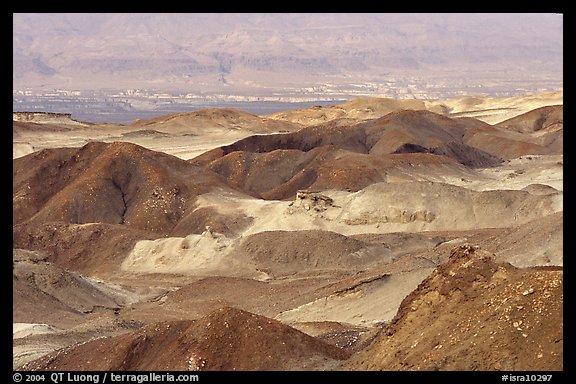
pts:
[374, 235]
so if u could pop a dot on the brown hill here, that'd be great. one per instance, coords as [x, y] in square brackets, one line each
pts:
[539, 131]
[548, 119]
[86, 207]
[116, 183]
[227, 339]
[352, 157]
[92, 249]
[473, 313]
[544, 125]
[121, 183]
[382, 135]
[289, 252]
[506, 144]
[211, 119]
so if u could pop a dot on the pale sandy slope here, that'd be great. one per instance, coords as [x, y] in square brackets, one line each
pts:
[491, 110]
[184, 135]
[374, 303]
[182, 145]
[507, 196]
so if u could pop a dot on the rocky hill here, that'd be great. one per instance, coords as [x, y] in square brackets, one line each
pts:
[473, 313]
[227, 339]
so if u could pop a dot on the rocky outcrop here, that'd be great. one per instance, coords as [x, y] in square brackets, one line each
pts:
[312, 200]
[45, 118]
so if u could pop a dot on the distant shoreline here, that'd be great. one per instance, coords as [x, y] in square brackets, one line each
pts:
[84, 114]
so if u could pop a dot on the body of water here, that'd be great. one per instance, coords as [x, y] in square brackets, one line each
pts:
[97, 114]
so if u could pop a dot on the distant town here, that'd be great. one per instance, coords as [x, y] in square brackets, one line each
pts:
[122, 106]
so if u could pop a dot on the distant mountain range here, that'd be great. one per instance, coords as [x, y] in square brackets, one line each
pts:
[218, 51]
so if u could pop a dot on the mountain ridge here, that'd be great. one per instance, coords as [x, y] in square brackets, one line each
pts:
[211, 52]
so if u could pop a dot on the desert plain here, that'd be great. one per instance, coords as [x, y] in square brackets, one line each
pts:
[377, 234]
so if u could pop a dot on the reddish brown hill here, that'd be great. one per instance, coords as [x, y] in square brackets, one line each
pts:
[545, 125]
[550, 118]
[352, 157]
[473, 313]
[117, 183]
[540, 131]
[94, 248]
[279, 174]
[227, 339]
[286, 252]
[344, 157]
[507, 144]
[382, 135]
